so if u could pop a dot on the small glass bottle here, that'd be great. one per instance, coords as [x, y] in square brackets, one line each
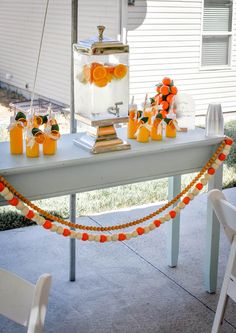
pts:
[156, 131]
[147, 112]
[132, 124]
[52, 134]
[16, 138]
[49, 146]
[143, 131]
[32, 147]
[170, 129]
[32, 151]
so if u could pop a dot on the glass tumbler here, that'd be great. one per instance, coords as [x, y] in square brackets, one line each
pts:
[214, 121]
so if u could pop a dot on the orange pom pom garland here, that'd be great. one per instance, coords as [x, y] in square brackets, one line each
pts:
[16, 199]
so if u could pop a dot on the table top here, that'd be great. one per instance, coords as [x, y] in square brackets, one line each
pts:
[69, 154]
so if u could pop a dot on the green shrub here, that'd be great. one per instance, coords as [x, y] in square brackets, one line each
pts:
[230, 130]
[12, 220]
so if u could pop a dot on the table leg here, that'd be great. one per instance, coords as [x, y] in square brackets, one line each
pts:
[174, 187]
[72, 241]
[212, 238]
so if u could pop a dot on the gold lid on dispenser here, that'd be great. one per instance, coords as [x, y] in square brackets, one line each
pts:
[100, 45]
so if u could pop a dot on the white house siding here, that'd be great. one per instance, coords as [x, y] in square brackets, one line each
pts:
[98, 12]
[20, 31]
[20, 25]
[165, 40]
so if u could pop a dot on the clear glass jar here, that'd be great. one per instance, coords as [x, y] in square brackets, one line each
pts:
[184, 107]
[101, 78]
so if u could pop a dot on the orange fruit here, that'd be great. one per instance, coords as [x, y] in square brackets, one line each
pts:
[99, 73]
[158, 89]
[102, 82]
[39, 137]
[164, 105]
[169, 98]
[158, 99]
[166, 81]
[120, 71]
[164, 90]
[132, 114]
[163, 113]
[23, 121]
[173, 90]
[55, 134]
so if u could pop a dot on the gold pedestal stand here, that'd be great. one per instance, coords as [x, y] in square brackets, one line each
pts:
[101, 136]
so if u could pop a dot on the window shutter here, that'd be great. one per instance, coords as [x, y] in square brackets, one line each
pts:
[217, 15]
[215, 50]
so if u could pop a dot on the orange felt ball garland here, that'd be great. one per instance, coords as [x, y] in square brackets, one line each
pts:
[47, 220]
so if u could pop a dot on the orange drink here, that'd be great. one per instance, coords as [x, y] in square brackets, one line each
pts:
[143, 131]
[16, 140]
[143, 135]
[155, 135]
[132, 124]
[32, 151]
[170, 130]
[49, 146]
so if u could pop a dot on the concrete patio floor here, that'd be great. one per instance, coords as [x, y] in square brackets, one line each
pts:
[122, 287]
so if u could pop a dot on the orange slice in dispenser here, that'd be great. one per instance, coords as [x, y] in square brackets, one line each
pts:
[102, 82]
[120, 71]
[87, 73]
[109, 77]
[99, 73]
[110, 69]
[93, 65]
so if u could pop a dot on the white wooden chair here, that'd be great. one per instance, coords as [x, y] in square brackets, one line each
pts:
[226, 214]
[23, 302]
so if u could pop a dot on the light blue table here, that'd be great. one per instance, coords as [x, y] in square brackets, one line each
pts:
[74, 170]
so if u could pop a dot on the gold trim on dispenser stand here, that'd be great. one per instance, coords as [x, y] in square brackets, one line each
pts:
[101, 139]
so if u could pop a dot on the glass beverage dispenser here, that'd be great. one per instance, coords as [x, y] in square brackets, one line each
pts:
[101, 83]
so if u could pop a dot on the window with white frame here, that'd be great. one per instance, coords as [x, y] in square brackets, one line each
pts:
[217, 33]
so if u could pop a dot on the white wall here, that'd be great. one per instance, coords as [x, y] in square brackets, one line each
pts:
[20, 30]
[164, 39]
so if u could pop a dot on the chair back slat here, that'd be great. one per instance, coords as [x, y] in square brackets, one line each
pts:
[225, 212]
[39, 304]
[24, 302]
[16, 296]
